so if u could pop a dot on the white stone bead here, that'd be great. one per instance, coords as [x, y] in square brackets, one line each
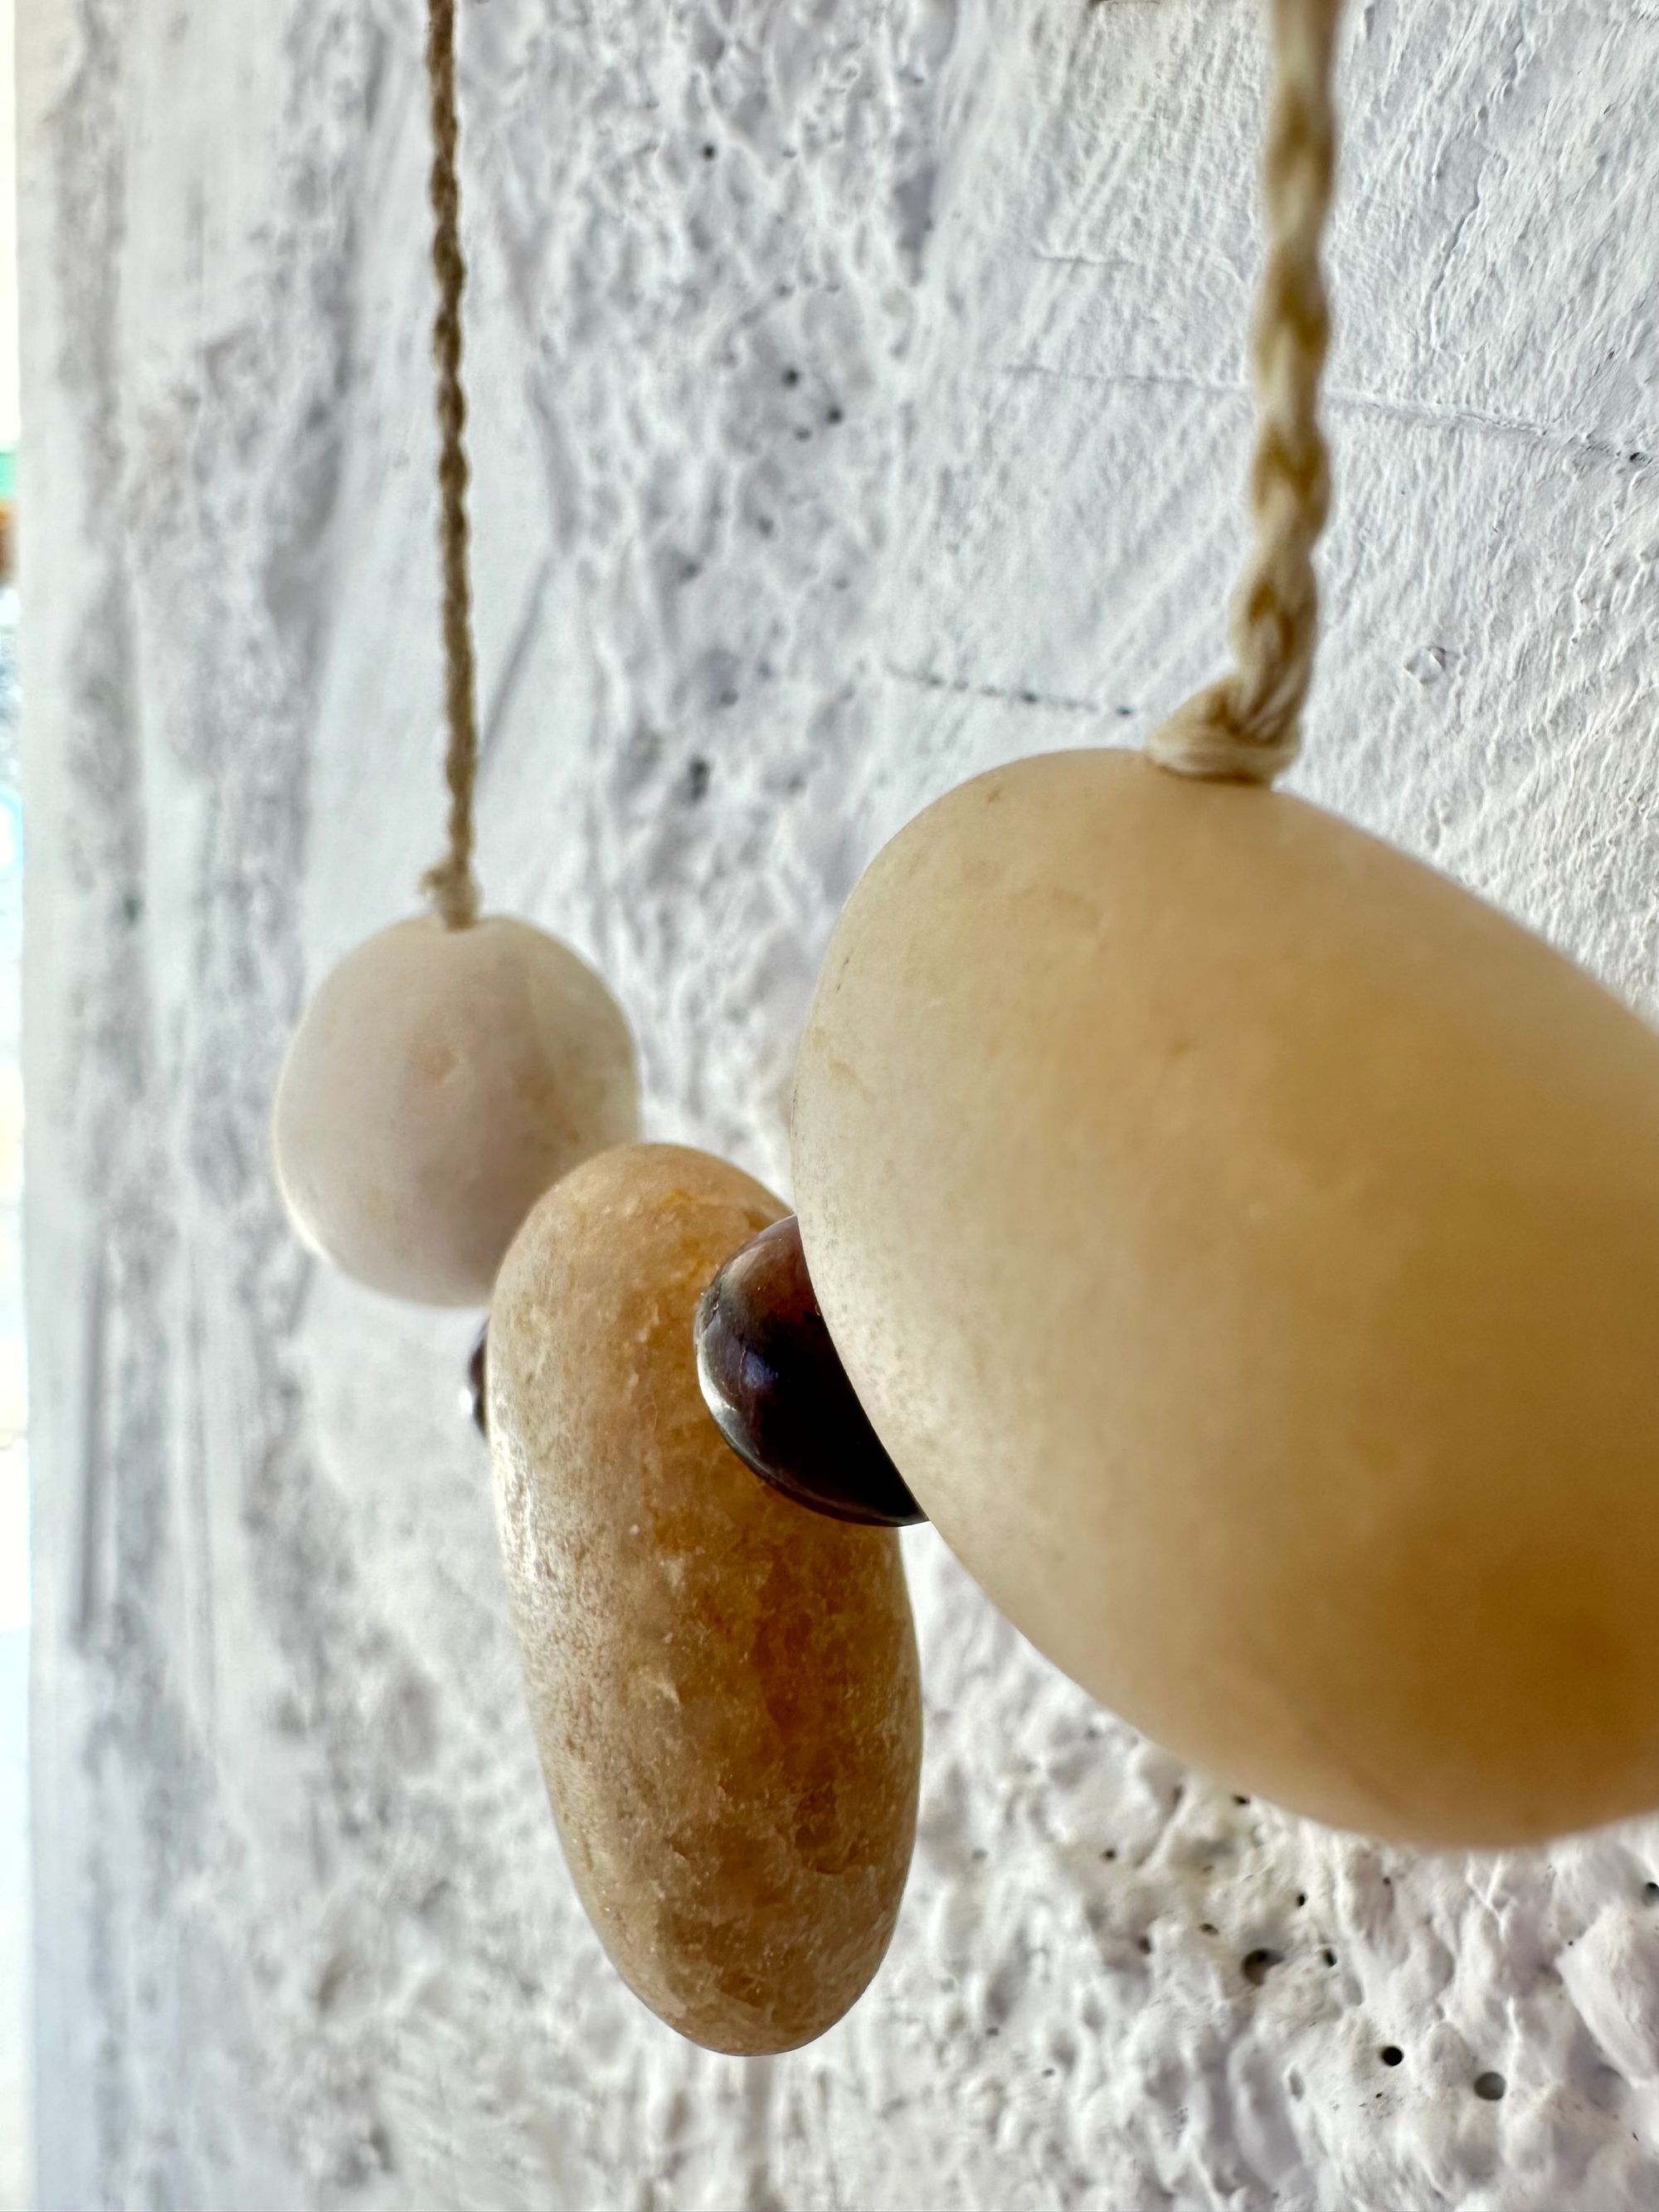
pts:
[439, 1082]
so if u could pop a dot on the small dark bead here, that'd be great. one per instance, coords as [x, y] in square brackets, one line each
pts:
[775, 1383]
[475, 1398]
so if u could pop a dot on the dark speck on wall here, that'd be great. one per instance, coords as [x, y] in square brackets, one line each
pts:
[1490, 2086]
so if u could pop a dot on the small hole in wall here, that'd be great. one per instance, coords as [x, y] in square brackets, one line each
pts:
[1490, 2086]
[1301, 1897]
[1207, 1928]
[1146, 1943]
[1256, 1966]
[1391, 2054]
[1328, 1956]
[708, 153]
[1108, 1853]
[1650, 1891]
[790, 378]
[1237, 1800]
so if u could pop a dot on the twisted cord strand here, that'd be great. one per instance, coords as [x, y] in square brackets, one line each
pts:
[450, 885]
[1248, 727]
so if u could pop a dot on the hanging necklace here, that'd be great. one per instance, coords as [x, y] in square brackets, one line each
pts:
[1244, 1243]
[724, 1686]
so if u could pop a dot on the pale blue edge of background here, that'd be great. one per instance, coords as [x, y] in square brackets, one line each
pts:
[14, 1977]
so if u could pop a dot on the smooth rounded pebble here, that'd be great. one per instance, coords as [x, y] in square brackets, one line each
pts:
[438, 1083]
[1246, 1243]
[723, 1684]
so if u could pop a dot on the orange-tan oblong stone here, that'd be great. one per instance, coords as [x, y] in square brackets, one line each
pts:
[724, 1685]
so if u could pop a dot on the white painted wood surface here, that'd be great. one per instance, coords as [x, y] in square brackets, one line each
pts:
[859, 400]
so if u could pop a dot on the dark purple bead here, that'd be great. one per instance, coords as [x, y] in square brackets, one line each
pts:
[476, 1397]
[775, 1383]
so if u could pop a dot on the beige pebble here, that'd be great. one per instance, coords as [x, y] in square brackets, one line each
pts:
[1247, 1245]
[723, 1684]
[438, 1083]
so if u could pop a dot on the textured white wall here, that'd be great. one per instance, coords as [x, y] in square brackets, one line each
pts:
[858, 401]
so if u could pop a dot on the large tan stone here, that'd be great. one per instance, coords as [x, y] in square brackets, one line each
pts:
[1247, 1245]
